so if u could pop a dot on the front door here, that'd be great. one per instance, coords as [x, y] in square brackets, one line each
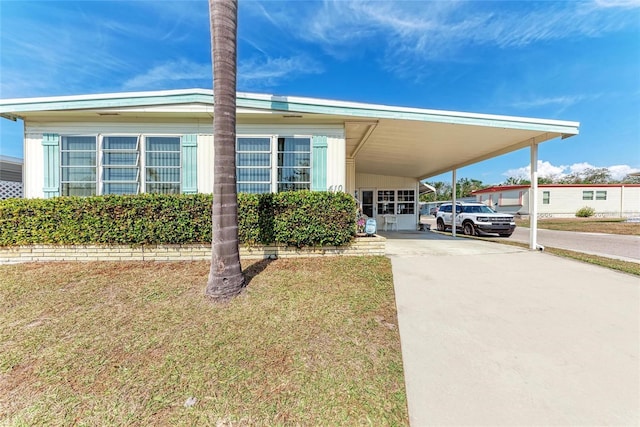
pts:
[367, 203]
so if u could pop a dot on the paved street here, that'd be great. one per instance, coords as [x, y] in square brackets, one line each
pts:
[612, 245]
[626, 248]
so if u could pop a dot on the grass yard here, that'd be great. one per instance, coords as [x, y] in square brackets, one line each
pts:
[310, 342]
[588, 225]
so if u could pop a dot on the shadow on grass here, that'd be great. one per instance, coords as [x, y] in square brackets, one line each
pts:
[255, 269]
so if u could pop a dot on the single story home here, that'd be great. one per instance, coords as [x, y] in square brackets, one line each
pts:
[10, 177]
[563, 200]
[162, 141]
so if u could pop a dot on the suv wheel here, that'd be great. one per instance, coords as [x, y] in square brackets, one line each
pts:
[468, 229]
[440, 224]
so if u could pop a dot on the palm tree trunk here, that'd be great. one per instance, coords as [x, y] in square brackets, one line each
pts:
[225, 276]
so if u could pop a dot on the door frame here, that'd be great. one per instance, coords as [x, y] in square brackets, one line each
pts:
[373, 200]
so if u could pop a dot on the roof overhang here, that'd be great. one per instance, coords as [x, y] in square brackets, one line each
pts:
[386, 140]
[426, 188]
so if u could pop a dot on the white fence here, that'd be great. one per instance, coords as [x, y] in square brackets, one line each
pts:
[10, 189]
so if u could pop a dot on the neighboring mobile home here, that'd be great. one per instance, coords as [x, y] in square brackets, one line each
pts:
[563, 200]
[10, 177]
[163, 142]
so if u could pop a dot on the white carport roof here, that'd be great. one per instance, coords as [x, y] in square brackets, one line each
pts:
[383, 139]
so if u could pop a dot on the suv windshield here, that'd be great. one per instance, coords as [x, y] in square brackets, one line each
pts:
[477, 209]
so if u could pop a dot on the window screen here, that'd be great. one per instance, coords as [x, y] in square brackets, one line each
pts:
[78, 166]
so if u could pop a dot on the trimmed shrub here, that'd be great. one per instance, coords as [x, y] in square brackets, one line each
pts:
[298, 218]
[585, 212]
[134, 220]
[309, 218]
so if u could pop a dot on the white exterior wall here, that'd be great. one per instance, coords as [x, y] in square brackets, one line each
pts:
[33, 172]
[350, 176]
[565, 201]
[383, 182]
[205, 164]
[336, 163]
[34, 157]
[622, 201]
[630, 201]
[504, 201]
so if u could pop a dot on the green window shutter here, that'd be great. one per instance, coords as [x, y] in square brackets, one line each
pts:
[189, 164]
[319, 166]
[51, 147]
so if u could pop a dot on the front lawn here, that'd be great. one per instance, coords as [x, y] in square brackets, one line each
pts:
[310, 342]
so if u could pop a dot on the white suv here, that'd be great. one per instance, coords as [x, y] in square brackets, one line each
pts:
[473, 218]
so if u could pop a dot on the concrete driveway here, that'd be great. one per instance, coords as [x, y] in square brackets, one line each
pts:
[495, 335]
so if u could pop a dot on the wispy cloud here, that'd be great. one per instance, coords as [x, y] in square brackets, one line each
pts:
[401, 33]
[171, 74]
[253, 74]
[560, 103]
[394, 28]
[50, 48]
[266, 72]
[169, 22]
[627, 4]
[76, 47]
[55, 60]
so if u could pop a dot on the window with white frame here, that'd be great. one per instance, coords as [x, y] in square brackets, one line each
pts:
[601, 195]
[78, 161]
[112, 164]
[406, 202]
[546, 197]
[294, 164]
[253, 165]
[120, 165]
[266, 164]
[162, 168]
[386, 202]
[587, 195]
[396, 202]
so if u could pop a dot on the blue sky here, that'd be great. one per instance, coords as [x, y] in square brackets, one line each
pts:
[568, 60]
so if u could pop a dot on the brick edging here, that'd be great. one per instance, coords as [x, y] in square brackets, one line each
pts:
[47, 253]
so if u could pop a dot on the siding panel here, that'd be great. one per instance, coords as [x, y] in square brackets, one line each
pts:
[205, 164]
[336, 169]
[364, 180]
[319, 167]
[621, 200]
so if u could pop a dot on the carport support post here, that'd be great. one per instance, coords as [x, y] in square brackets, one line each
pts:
[453, 202]
[533, 199]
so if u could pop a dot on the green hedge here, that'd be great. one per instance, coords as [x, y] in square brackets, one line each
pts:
[301, 218]
[585, 212]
